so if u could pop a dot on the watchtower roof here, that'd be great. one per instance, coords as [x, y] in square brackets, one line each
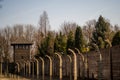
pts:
[21, 40]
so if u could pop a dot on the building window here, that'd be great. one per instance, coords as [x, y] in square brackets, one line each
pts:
[23, 47]
[27, 46]
[16, 46]
[20, 46]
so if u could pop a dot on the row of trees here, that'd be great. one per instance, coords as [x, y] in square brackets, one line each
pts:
[71, 35]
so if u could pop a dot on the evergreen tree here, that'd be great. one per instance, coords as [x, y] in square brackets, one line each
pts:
[50, 46]
[101, 33]
[60, 43]
[70, 40]
[116, 39]
[42, 48]
[56, 44]
[79, 41]
[47, 45]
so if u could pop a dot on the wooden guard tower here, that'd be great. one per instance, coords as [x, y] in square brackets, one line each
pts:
[21, 49]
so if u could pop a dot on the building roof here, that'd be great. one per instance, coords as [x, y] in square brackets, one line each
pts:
[21, 40]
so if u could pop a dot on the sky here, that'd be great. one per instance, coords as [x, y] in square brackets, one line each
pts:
[59, 11]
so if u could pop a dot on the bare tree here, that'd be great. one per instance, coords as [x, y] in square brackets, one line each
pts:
[66, 27]
[116, 28]
[6, 36]
[44, 23]
[2, 41]
[29, 32]
[18, 30]
[88, 29]
[43, 29]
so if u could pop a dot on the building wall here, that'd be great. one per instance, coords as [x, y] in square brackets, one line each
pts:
[22, 54]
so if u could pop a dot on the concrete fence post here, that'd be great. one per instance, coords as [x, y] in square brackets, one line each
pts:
[83, 62]
[37, 66]
[29, 70]
[33, 69]
[18, 69]
[60, 65]
[75, 63]
[50, 66]
[70, 59]
[42, 67]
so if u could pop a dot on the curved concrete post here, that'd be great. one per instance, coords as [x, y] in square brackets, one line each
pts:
[29, 70]
[42, 67]
[100, 67]
[37, 67]
[70, 66]
[1, 68]
[75, 63]
[100, 57]
[100, 73]
[83, 61]
[18, 67]
[60, 64]
[50, 65]
[33, 69]
[25, 68]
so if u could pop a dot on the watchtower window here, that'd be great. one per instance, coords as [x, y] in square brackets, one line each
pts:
[27, 47]
[16, 47]
[23, 46]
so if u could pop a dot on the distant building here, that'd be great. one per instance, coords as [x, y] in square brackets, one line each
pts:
[21, 49]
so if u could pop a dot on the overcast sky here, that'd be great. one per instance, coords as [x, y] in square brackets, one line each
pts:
[79, 11]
